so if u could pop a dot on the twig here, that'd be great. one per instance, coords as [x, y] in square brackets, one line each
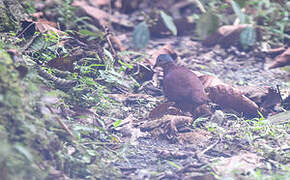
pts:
[279, 92]
[64, 126]
[108, 34]
[208, 148]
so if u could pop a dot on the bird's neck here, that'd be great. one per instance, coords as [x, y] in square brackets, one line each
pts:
[168, 67]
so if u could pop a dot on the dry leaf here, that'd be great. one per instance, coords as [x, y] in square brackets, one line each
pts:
[62, 63]
[103, 17]
[160, 110]
[229, 97]
[281, 60]
[100, 2]
[265, 97]
[242, 163]
[225, 35]
[276, 51]
[47, 26]
[167, 127]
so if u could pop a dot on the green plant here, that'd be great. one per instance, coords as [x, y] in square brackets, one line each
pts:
[141, 34]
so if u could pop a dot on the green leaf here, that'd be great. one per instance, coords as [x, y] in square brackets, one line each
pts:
[248, 37]
[238, 12]
[117, 123]
[168, 21]
[173, 164]
[141, 35]
[24, 151]
[207, 24]
[87, 32]
[241, 3]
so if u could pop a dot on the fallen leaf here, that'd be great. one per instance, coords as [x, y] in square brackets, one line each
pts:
[100, 2]
[47, 26]
[276, 51]
[281, 60]
[101, 16]
[265, 96]
[229, 97]
[225, 35]
[160, 110]
[236, 165]
[62, 63]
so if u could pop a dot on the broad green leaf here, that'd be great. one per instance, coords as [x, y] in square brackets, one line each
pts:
[248, 37]
[207, 24]
[238, 12]
[168, 21]
[141, 35]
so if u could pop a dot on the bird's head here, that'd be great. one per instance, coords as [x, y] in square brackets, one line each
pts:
[162, 60]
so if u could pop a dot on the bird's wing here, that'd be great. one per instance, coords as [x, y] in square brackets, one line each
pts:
[177, 86]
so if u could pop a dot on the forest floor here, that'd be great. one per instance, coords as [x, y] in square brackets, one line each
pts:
[99, 112]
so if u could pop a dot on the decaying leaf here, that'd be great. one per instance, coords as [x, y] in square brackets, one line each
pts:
[101, 16]
[47, 26]
[265, 97]
[229, 97]
[167, 127]
[127, 129]
[225, 36]
[198, 137]
[237, 165]
[276, 51]
[62, 63]
[160, 110]
[281, 60]
[100, 2]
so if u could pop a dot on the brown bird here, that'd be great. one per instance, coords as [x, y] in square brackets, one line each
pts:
[181, 85]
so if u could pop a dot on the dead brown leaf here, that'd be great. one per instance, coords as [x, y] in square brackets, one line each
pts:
[265, 97]
[167, 127]
[47, 26]
[229, 97]
[225, 36]
[101, 16]
[276, 51]
[281, 60]
[100, 2]
[62, 63]
[160, 110]
[236, 165]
